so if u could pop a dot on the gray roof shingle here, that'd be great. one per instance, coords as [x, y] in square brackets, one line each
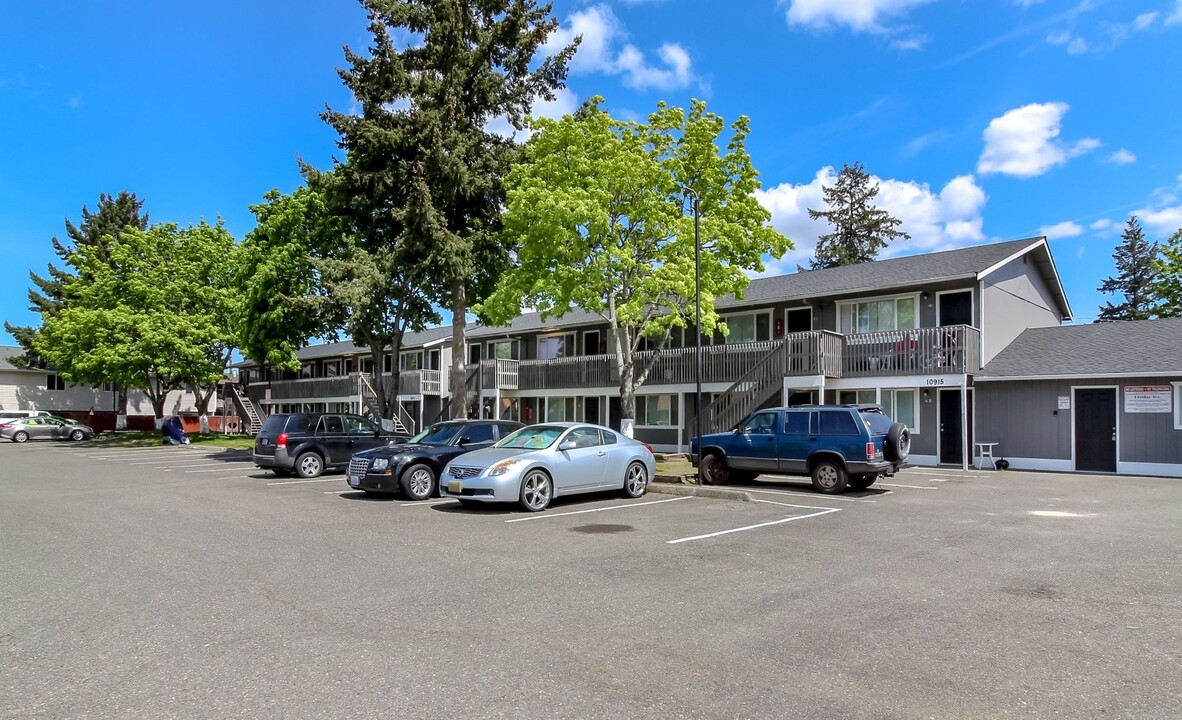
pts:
[7, 352]
[1150, 347]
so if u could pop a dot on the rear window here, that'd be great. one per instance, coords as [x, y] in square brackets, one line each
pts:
[838, 423]
[876, 421]
[275, 424]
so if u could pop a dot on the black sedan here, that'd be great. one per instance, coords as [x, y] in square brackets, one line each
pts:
[414, 466]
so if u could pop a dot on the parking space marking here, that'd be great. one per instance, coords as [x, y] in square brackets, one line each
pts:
[806, 507]
[174, 464]
[222, 469]
[909, 487]
[752, 527]
[613, 507]
[302, 482]
[813, 495]
[431, 503]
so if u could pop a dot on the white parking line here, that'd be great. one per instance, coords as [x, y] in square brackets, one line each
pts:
[613, 507]
[813, 495]
[806, 507]
[223, 469]
[172, 463]
[303, 482]
[752, 527]
[426, 504]
[909, 487]
[174, 466]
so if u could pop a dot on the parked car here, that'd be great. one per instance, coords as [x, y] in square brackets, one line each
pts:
[540, 462]
[307, 444]
[44, 427]
[414, 466]
[839, 446]
[8, 414]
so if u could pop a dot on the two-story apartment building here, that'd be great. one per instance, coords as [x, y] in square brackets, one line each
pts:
[910, 333]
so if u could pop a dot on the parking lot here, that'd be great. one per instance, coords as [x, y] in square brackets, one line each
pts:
[183, 582]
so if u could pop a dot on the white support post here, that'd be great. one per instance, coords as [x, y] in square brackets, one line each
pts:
[964, 428]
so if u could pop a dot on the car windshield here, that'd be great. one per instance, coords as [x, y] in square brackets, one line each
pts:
[439, 434]
[876, 421]
[532, 438]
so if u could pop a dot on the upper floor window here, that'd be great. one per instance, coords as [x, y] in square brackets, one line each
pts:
[556, 346]
[865, 316]
[503, 350]
[54, 382]
[332, 368]
[752, 327]
[410, 361]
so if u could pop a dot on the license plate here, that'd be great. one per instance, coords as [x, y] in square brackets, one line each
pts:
[455, 486]
[354, 480]
[263, 442]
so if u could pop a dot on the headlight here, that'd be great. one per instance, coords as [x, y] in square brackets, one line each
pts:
[502, 467]
[380, 464]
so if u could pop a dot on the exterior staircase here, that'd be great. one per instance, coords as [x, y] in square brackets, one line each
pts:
[371, 405]
[761, 382]
[247, 410]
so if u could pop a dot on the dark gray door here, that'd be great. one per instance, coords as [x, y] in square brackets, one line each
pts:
[956, 308]
[951, 437]
[591, 410]
[1095, 430]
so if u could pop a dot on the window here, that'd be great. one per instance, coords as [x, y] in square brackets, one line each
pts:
[556, 346]
[753, 327]
[54, 382]
[796, 423]
[609, 438]
[410, 361]
[659, 410]
[837, 422]
[877, 315]
[1177, 405]
[331, 424]
[387, 363]
[900, 406]
[332, 368]
[307, 370]
[479, 433]
[503, 350]
[583, 437]
[355, 425]
[761, 424]
[560, 409]
[856, 397]
[510, 408]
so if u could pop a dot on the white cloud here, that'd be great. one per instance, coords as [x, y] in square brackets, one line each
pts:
[1164, 221]
[1064, 229]
[1101, 224]
[1145, 20]
[1121, 157]
[1027, 3]
[857, 15]
[936, 221]
[1024, 142]
[602, 32]
[564, 103]
[1175, 16]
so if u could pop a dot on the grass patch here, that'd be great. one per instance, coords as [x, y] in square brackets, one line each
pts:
[138, 438]
[675, 467]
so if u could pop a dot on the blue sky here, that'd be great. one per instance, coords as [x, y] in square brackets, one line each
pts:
[984, 121]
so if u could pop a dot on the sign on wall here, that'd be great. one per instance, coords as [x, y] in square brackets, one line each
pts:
[1148, 399]
[1064, 402]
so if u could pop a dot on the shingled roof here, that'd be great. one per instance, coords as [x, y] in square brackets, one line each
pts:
[7, 352]
[1146, 347]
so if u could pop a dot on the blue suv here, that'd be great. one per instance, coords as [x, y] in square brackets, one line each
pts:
[839, 446]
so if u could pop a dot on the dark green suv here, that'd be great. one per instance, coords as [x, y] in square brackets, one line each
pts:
[839, 446]
[307, 444]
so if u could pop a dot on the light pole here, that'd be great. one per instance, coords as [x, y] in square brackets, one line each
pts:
[698, 329]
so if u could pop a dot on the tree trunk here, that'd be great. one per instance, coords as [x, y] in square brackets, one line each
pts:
[202, 396]
[459, 353]
[627, 397]
[121, 410]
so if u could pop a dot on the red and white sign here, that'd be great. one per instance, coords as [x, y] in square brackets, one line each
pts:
[1148, 399]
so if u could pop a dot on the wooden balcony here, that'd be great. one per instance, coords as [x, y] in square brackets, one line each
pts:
[410, 382]
[951, 350]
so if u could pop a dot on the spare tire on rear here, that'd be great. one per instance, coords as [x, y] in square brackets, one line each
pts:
[898, 443]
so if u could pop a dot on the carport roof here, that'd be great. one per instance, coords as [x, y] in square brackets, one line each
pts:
[1112, 349]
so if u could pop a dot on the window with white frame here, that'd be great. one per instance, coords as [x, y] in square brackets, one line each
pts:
[751, 327]
[54, 382]
[1177, 405]
[503, 350]
[902, 405]
[560, 409]
[864, 316]
[656, 410]
[853, 397]
[410, 361]
[332, 368]
[556, 346]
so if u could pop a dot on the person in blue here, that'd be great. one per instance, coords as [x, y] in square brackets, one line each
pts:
[174, 432]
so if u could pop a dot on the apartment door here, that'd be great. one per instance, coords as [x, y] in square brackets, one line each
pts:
[1095, 429]
[799, 320]
[956, 308]
[951, 435]
[591, 410]
[591, 342]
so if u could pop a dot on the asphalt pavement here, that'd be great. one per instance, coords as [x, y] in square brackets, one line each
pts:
[185, 583]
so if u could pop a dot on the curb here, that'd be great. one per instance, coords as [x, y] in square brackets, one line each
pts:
[717, 493]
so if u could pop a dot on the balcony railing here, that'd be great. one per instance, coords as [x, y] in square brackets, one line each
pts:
[306, 388]
[955, 349]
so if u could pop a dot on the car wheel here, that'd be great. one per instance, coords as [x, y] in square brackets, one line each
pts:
[861, 482]
[898, 443]
[714, 471]
[635, 480]
[309, 465]
[829, 477]
[536, 491]
[20, 436]
[418, 482]
[77, 436]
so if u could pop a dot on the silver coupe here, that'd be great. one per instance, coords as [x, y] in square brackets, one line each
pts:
[540, 462]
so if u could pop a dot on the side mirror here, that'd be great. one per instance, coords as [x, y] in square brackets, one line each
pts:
[464, 440]
[567, 445]
[377, 432]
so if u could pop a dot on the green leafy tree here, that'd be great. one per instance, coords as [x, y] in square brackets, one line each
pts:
[1135, 267]
[150, 312]
[421, 182]
[1167, 282]
[49, 293]
[860, 230]
[599, 211]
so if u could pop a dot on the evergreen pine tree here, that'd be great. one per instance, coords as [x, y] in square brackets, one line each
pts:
[1167, 282]
[860, 230]
[1135, 260]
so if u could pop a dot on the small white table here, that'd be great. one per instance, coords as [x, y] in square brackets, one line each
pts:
[984, 450]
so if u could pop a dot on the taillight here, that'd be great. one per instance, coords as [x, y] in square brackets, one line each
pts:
[281, 441]
[5, 427]
[650, 448]
[869, 450]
